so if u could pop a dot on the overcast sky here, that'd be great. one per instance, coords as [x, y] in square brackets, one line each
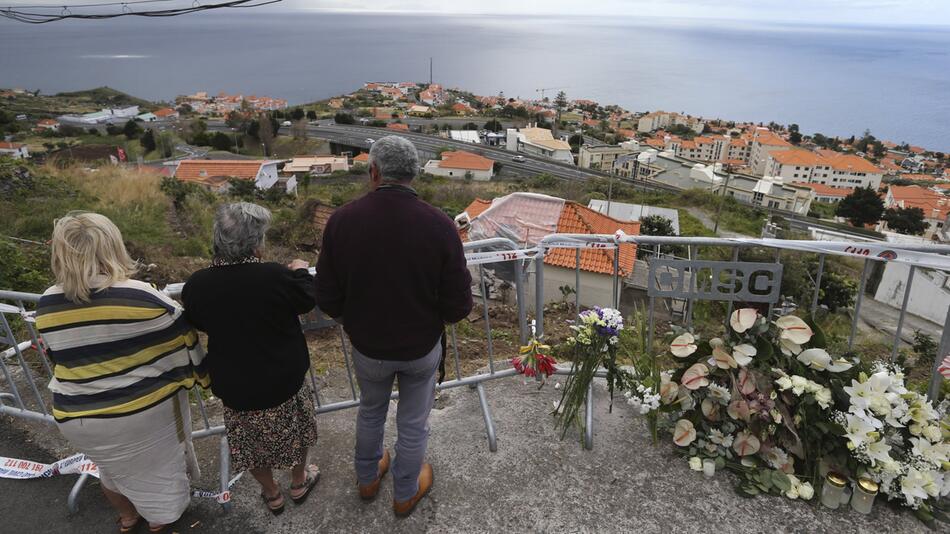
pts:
[929, 12]
[817, 11]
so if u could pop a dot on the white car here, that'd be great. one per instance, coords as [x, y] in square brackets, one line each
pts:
[370, 141]
[519, 159]
[286, 123]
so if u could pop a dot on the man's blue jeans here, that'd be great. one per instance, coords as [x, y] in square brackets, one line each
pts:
[416, 394]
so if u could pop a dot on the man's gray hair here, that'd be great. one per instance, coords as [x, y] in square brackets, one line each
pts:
[396, 158]
[239, 230]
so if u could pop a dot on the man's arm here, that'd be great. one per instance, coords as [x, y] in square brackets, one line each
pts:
[330, 294]
[455, 285]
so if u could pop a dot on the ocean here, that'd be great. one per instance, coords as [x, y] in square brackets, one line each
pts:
[837, 80]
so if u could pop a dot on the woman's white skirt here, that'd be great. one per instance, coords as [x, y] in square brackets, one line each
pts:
[145, 456]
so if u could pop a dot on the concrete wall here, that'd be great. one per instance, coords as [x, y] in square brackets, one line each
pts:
[595, 289]
[929, 295]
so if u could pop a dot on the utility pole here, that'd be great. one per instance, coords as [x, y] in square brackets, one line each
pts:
[721, 202]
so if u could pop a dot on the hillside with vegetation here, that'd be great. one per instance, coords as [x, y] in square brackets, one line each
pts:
[36, 104]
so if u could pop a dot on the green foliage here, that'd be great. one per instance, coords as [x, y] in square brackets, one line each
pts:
[926, 350]
[23, 267]
[343, 118]
[148, 140]
[542, 181]
[131, 129]
[221, 141]
[494, 125]
[861, 207]
[909, 221]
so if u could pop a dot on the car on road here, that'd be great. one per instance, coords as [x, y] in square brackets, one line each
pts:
[519, 159]
[370, 141]
[286, 123]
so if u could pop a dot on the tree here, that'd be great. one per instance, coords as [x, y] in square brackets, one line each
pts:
[575, 141]
[793, 127]
[166, 144]
[266, 133]
[654, 225]
[908, 221]
[297, 114]
[311, 115]
[299, 129]
[147, 140]
[861, 207]
[131, 129]
[343, 118]
[221, 141]
[113, 130]
[493, 125]
[795, 138]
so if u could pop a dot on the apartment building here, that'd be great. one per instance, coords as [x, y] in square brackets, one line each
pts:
[601, 157]
[826, 193]
[659, 120]
[540, 142]
[461, 164]
[763, 143]
[825, 167]
[936, 206]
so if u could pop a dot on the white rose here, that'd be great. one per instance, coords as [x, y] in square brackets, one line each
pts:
[799, 384]
[784, 383]
[695, 463]
[932, 433]
[823, 397]
[915, 429]
[806, 491]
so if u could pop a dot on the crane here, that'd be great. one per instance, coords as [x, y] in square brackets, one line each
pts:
[543, 89]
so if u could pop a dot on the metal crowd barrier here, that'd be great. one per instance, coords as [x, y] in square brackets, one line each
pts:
[482, 254]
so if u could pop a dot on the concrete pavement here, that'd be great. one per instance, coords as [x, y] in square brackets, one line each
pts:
[534, 483]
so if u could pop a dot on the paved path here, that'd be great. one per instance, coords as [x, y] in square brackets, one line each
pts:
[883, 317]
[534, 483]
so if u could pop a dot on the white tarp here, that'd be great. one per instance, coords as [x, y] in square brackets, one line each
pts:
[524, 218]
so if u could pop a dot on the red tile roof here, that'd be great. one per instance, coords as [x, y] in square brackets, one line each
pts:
[578, 219]
[935, 205]
[766, 137]
[361, 158]
[11, 146]
[397, 126]
[823, 190]
[164, 112]
[211, 171]
[460, 159]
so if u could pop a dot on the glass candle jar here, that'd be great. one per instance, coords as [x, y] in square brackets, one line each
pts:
[863, 498]
[709, 467]
[832, 489]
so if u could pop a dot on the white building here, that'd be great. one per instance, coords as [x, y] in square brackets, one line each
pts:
[461, 164]
[764, 141]
[825, 167]
[623, 211]
[315, 165]
[601, 157]
[540, 142]
[659, 120]
[466, 136]
[14, 150]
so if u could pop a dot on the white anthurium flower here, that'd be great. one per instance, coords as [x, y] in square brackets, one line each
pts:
[745, 444]
[695, 377]
[710, 409]
[817, 359]
[722, 359]
[743, 354]
[789, 348]
[794, 329]
[668, 389]
[746, 384]
[743, 319]
[839, 365]
[684, 433]
[683, 345]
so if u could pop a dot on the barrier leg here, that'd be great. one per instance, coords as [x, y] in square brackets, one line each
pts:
[74, 493]
[589, 419]
[225, 471]
[486, 413]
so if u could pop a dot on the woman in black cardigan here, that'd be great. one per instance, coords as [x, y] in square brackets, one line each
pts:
[257, 353]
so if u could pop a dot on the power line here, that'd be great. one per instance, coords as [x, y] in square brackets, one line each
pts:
[29, 15]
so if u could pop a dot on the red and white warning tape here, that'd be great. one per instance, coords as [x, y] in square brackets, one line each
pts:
[79, 464]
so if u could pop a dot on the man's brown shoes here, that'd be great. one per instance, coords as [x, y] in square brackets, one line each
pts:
[369, 491]
[403, 509]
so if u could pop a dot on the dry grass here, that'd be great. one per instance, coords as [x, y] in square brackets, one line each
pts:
[113, 185]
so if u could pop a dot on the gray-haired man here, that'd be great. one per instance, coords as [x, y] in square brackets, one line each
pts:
[393, 270]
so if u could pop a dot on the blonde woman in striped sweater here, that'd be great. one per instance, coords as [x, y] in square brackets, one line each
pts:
[124, 357]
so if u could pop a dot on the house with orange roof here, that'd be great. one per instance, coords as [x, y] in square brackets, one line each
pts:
[540, 142]
[399, 126]
[214, 175]
[461, 108]
[166, 114]
[936, 206]
[362, 158]
[527, 217]
[14, 150]
[826, 193]
[764, 141]
[461, 164]
[51, 125]
[825, 167]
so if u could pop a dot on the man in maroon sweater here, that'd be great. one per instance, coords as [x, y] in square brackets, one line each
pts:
[393, 271]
